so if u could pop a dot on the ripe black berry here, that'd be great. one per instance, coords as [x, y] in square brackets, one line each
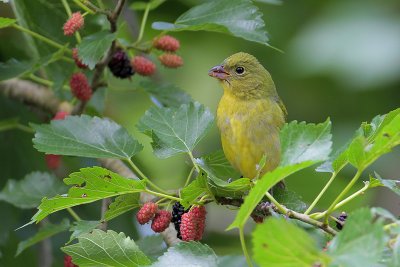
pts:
[341, 220]
[120, 65]
[177, 211]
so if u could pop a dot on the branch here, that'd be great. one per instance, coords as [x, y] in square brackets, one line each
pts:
[30, 93]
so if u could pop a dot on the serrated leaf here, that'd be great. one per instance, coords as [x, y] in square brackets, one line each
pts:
[176, 130]
[370, 141]
[140, 5]
[301, 142]
[263, 185]
[167, 95]
[393, 185]
[290, 199]
[89, 185]
[48, 230]
[278, 242]
[187, 254]
[239, 18]
[193, 191]
[28, 192]
[219, 171]
[360, 243]
[94, 46]
[85, 136]
[6, 22]
[106, 249]
[82, 227]
[153, 246]
[121, 205]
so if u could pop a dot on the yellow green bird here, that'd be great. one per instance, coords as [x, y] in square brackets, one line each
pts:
[250, 114]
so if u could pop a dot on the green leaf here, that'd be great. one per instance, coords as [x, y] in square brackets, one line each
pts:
[187, 254]
[48, 230]
[94, 46]
[361, 241]
[140, 5]
[393, 185]
[85, 136]
[370, 141]
[395, 260]
[218, 171]
[232, 261]
[106, 249]
[89, 185]
[193, 191]
[301, 142]
[278, 242]
[6, 22]
[167, 95]
[28, 192]
[82, 227]
[290, 199]
[263, 185]
[176, 130]
[153, 246]
[239, 18]
[121, 205]
[14, 68]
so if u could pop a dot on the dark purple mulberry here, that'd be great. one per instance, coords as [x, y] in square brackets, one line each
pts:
[120, 65]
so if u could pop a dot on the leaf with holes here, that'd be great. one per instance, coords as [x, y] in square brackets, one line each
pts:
[88, 185]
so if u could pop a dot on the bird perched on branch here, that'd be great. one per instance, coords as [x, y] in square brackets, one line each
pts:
[250, 114]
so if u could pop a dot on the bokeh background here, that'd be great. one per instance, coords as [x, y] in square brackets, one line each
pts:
[341, 60]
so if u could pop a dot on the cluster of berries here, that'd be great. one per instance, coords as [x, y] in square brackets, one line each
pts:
[150, 212]
[54, 161]
[189, 224]
[123, 67]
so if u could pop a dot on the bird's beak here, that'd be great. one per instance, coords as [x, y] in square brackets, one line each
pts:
[218, 72]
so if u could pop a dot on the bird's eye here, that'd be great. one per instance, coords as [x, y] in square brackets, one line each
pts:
[239, 70]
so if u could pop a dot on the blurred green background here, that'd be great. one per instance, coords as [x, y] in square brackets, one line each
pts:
[341, 60]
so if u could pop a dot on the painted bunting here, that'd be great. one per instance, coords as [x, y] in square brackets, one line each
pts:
[250, 114]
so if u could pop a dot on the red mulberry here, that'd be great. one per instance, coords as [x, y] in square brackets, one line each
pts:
[143, 66]
[74, 23]
[193, 224]
[80, 87]
[68, 261]
[171, 60]
[52, 161]
[147, 212]
[161, 221]
[77, 60]
[166, 43]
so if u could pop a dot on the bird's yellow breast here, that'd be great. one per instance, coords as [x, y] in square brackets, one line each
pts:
[250, 129]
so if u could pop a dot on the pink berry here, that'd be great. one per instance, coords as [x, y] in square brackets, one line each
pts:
[193, 224]
[161, 221]
[171, 60]
[68, 261]
[77, 60]
[143, 66]
[60, 115]
[147, 212]
[73, 24]
[52, 161]
[166, 43]
[80, 87]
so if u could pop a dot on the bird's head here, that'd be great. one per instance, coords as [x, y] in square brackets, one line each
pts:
[242, 75]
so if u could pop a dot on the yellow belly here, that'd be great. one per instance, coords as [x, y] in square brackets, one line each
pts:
[249, 130]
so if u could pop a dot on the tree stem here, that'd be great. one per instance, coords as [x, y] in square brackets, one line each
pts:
[162, 195]
[42, 38]
[321, 193]
[244, 248]
[73, 214]
[143, 23]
